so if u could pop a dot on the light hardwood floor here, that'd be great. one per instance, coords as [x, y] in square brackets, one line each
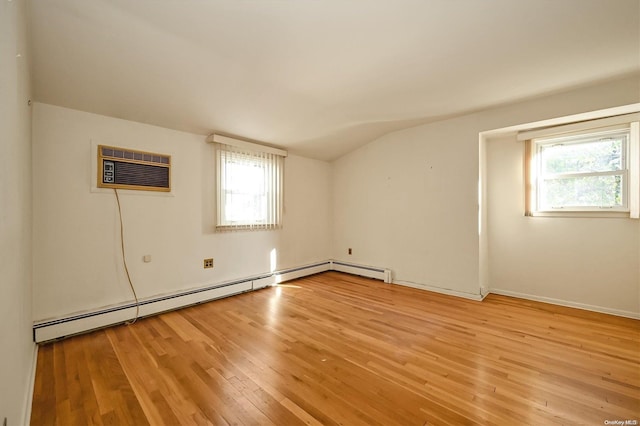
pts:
[340, 349]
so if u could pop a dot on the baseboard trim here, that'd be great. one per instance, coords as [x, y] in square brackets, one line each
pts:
[28, 402]
[82, 322]
[53, 329]
[568, 304]
[449, 292]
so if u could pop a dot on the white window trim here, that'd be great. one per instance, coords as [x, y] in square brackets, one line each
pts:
[634, 170]
[274, 164]
[245, 145]
[631, 174]
[586, 126]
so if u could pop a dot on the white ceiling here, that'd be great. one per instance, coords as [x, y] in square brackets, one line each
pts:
[320, 77]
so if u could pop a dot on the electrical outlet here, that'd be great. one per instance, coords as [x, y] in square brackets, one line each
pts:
[208, 263]
[350, 251]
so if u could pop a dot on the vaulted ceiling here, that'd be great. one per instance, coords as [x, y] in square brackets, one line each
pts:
[320, 77]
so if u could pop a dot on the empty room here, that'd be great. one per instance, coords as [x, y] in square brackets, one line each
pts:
[320, 212]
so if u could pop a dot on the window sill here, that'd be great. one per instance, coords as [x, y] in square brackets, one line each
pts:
[589, 214]
[231, 228]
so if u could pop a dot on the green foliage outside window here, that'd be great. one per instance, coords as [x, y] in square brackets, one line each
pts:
[567, 174]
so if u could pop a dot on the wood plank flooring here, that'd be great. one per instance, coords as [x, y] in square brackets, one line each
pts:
[340, 349]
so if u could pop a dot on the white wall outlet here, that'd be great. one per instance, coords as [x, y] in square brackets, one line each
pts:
[146, 258]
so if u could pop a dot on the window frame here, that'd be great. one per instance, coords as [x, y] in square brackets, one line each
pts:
[273, 171]
[533, 175]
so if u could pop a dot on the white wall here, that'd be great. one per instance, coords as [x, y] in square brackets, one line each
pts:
[408, 201]
[17, 355]
[77, 264]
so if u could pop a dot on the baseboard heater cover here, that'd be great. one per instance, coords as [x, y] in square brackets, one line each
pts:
[53, 329]
[44, 331]
[48, 330]
[80, 323]
[362, 270]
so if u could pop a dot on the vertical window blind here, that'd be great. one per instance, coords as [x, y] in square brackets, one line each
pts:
[249, 188]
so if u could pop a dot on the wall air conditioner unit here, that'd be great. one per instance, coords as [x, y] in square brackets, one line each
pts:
[130, 169]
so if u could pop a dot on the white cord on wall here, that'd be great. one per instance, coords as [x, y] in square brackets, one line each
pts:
[124, 260]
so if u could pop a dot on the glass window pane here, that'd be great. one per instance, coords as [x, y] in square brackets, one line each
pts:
[597, 156]
[244, 177]
[245, 208]
[588, 191]
[248, 189]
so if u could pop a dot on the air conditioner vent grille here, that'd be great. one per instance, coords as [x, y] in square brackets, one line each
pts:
[130, 169]
[141, 174]
[135, 155]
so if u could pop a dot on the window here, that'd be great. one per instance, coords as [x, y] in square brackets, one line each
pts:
[249, 187]
[583, 171]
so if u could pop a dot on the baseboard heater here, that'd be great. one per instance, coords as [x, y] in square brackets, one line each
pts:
[79, 323]
[58, 328]
[366, 271]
